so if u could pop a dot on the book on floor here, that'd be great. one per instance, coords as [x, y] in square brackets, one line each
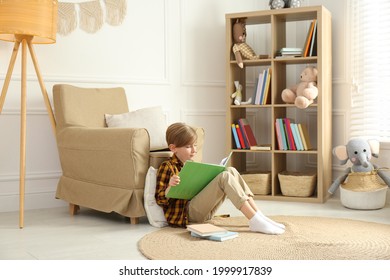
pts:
[218, 236]
[194, 176]
[206, 229]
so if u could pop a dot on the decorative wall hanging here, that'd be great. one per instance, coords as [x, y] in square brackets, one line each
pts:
[89, 15]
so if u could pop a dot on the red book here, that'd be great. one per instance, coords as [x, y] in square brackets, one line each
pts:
[248, 132]
[278, 135]
[290, 136]
[244, 136]
[242, 142]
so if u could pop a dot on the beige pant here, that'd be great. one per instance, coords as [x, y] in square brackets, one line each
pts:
[228, 184]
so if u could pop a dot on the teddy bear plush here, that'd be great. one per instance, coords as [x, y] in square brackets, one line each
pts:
[240, 48]
[303, 93]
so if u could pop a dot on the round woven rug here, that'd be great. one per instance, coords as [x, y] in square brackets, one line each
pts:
[305, 238]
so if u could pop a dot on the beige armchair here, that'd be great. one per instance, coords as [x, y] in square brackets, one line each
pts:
[103, 168]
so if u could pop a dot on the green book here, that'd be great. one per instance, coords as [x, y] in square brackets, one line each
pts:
[194, 176]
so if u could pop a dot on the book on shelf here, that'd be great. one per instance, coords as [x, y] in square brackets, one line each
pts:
[259, 87]
[313, 43]
[309, 38]
[263, 86]
[297, 137]
[248, 132]
[281, 129]
[217, 236]
[255, 90]
[235, 137]
[265, 98]
[194, 176]
[244, 137]
[290, 137]
[206, 229]
[263, 147]
[278, 135]
[306, 136]
[240, 137]
[302, 137]
[288, 51]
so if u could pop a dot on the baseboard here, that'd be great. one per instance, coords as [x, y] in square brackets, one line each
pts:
[41, 200]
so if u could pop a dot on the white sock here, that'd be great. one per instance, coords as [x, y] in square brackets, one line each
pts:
[271, 221]
[258, 224]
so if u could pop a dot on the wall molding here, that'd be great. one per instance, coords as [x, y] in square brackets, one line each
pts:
[31, 176]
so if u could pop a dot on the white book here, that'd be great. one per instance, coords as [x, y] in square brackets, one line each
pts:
[218, 237]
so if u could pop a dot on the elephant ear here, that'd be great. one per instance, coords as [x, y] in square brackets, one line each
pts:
[374, 146]
[341, 153]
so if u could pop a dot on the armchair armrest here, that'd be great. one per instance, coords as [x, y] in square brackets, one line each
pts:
[117, 157]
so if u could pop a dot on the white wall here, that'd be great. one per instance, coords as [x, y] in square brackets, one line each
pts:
[171, 55]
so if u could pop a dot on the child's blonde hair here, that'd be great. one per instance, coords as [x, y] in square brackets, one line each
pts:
[181, 134]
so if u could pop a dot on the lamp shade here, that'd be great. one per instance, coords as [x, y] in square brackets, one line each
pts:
[37, 18]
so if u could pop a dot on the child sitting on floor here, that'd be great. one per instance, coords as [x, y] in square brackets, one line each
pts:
[181, 140]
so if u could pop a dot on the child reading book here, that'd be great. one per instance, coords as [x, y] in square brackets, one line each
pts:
[181, 140]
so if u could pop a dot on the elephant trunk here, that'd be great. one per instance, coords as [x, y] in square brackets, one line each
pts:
[363, 160]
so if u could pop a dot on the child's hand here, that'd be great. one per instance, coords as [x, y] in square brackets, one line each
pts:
[174, 181]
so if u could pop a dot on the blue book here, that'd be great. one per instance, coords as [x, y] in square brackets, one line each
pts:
[237, 141]
[297, 141]
[218, 236]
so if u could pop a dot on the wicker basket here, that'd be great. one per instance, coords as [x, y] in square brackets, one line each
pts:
[363, 190]
[259, 183]
[364, 181]
[297, 183]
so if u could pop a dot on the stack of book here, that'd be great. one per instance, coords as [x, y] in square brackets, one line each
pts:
[283, 52]
[244, 137]
[292, 136]
[261, 94]
[211, 232]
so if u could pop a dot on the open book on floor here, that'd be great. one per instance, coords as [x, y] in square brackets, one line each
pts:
[194, 176]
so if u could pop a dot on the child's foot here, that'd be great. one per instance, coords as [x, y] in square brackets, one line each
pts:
[258, 224]
[272, 221]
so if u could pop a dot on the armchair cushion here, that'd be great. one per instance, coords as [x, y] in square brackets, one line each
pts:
[152, 118]
[153, 211]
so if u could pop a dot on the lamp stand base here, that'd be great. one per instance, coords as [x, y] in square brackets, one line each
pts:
[26, 42]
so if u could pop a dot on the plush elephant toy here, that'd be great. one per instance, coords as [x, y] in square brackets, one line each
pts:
[359, 152]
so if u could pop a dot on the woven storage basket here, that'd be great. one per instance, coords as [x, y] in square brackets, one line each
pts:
[297, 183]
[363, 190]
[363, 181]
[259, 183]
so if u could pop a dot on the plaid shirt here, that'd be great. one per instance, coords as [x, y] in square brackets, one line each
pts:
[175, 210]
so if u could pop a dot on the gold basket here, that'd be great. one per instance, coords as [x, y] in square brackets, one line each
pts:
[259, 183]
[297, 183]
[364, 181]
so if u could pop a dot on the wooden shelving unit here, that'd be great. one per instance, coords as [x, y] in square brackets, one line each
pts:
[320, 158]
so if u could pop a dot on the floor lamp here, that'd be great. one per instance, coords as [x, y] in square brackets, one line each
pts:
[27, 22]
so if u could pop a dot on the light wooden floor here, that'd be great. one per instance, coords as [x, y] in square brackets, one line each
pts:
[51, 234]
